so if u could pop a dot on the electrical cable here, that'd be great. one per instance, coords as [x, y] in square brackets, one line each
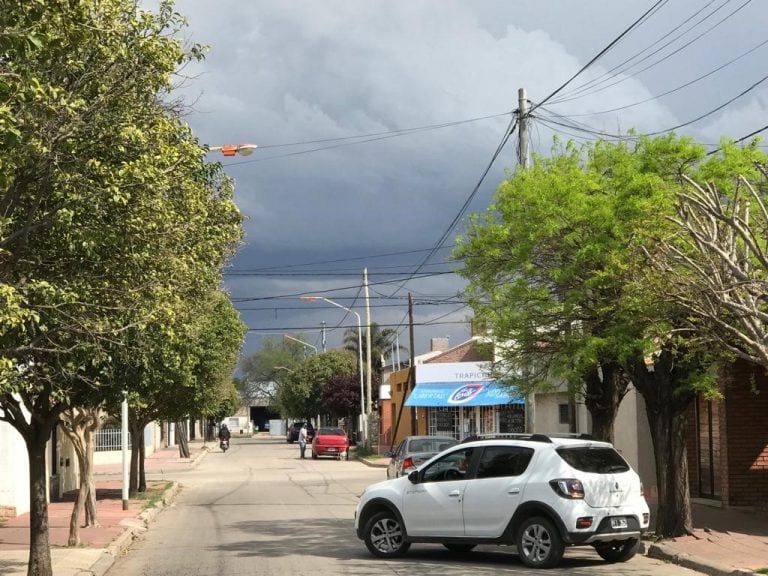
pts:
[717, 109]
[740, 140]
[673, 90]
[365, 140]
[647, 14]
[589, 91]
[610, 72]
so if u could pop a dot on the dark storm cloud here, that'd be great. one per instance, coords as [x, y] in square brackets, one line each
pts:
[307, 72]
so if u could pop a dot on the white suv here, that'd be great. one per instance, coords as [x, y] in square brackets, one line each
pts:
[539, 493]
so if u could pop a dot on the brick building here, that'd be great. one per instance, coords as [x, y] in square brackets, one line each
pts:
[727, 440]
[452, 395]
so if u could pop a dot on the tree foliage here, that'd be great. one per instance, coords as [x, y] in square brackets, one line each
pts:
[558, 271]
[263, 370]
[340, 396]
[300, 392]
[382, 340]
[110, 219]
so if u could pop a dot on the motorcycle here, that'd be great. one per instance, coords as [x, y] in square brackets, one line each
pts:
[224, 445]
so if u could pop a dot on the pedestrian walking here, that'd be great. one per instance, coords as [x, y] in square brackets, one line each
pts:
[302, 440]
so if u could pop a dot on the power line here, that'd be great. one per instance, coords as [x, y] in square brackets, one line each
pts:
[673, 90]
[401, 131]
[586, 91]
[609, 72]
[354, 259]
[740, 140]
[717, 109]
[281, 330]
[575, 126]
[648, 13]
[365, 140]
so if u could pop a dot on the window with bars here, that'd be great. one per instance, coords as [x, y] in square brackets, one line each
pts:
[443, 421]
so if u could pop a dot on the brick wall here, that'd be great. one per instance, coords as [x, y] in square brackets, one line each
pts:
[467, 352]
[746, 397]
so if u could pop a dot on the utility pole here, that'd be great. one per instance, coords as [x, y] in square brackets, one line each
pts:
[322, 332]
[369, 403]
[412, 369]
[522, 128]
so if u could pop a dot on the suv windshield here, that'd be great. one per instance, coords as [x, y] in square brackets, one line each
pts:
[599, 460]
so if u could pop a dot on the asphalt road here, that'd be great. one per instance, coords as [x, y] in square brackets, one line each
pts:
[260, 510]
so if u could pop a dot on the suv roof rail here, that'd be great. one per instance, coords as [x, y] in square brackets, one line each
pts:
[533, 437]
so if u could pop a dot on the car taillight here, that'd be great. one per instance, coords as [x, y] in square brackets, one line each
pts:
[568, 488]
[408, 463]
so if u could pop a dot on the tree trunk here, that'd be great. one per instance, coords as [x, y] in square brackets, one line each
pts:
[142, 472]
[604, 389]
[667, 399]
[80, 426]
[91, 517]
[136, 431]
[181, 436]
[39, 541]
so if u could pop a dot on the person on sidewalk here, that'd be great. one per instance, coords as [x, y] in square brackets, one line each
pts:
[224, 434]
[302, 440]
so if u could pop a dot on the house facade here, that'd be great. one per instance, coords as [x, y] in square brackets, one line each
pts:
[452, 394]
[727, 440]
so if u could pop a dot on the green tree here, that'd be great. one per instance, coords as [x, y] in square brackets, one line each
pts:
[340, 397]
[300, 392]
[108, 212]
[263, 370]
[178, 366]
[382, 341]
[558, 270]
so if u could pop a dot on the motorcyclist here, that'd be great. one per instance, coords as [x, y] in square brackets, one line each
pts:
[224, 434]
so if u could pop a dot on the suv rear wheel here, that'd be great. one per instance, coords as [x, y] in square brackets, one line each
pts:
[618, 551]
[539, 544]
[384, 536]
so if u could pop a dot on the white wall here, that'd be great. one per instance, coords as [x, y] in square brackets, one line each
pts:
[14, 470]
[548, 413]
[631, 434]
[68, 468]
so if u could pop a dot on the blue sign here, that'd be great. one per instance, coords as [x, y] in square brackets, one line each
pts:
[462, 394]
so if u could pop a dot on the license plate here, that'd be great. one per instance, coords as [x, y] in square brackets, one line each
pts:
[332, 449]
[618, 523]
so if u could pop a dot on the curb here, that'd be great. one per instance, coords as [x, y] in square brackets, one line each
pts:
[120, 545]
[370, 463]
[668, 554]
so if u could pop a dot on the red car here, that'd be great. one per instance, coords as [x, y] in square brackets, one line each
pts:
[330, 442]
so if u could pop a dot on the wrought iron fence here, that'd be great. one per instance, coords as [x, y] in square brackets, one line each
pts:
[110, 439]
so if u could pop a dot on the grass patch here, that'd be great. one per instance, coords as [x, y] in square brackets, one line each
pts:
[364, 451]
[153, 494]
[762, 570]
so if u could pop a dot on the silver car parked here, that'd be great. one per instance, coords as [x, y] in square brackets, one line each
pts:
[413, 450]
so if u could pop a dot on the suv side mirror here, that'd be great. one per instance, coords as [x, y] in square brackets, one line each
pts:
[389, 453]
[413, 477]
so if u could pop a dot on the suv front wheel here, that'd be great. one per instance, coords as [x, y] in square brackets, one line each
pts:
[618, 551]
[539, 544]
[384, 536]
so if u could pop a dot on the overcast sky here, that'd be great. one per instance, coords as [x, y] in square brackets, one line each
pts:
[300, 78]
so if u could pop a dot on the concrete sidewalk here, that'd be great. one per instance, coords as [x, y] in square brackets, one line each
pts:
[99, 545]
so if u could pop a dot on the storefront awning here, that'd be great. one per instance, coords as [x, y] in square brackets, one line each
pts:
[486, 393]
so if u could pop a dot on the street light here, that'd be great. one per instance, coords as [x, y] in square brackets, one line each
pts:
[363, 431]
[308, 345]
[234, 149]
